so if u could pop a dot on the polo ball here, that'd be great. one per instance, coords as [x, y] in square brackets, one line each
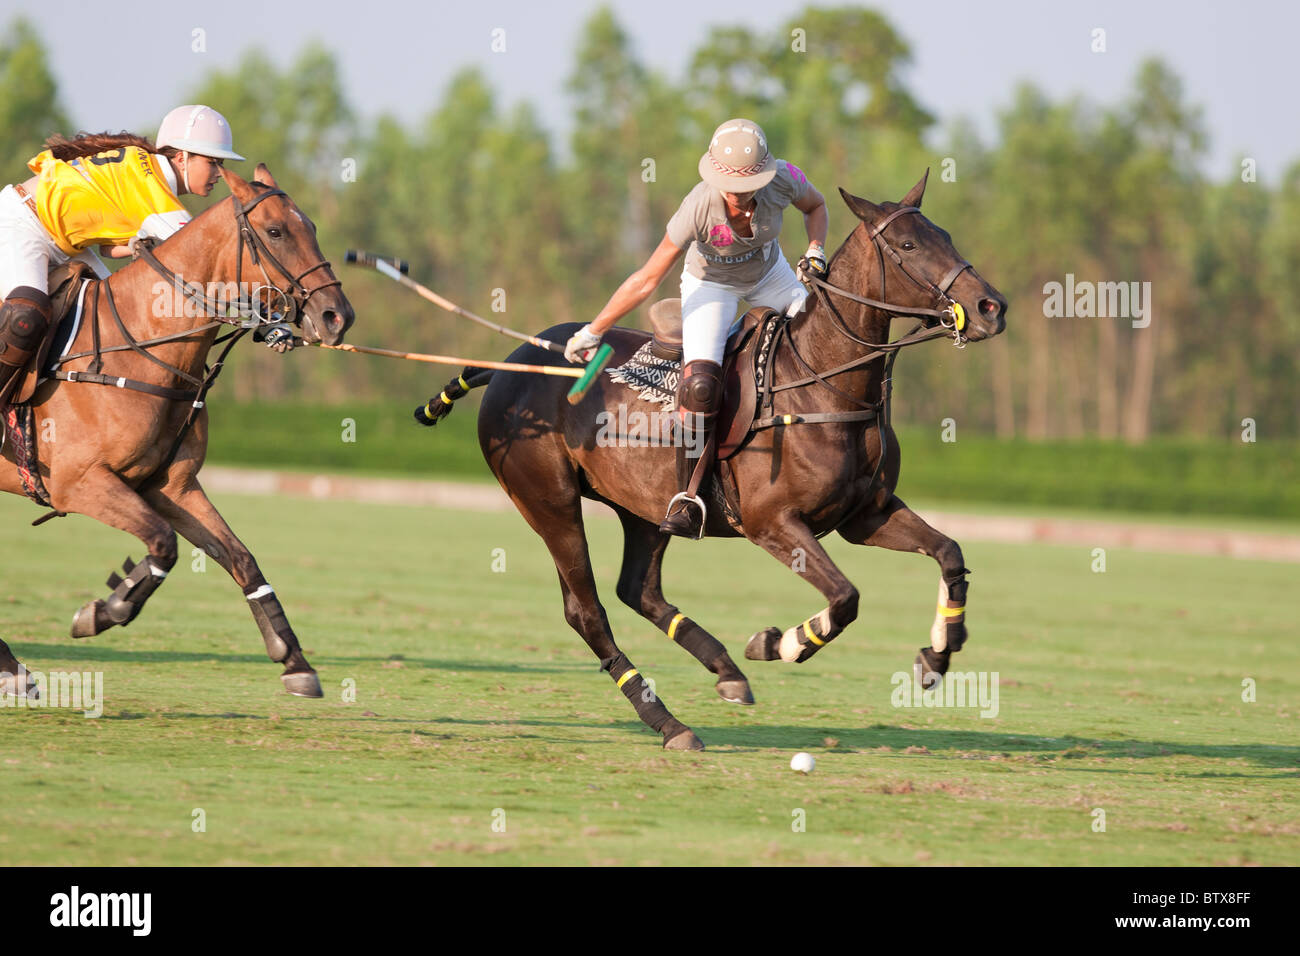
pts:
[802, 762]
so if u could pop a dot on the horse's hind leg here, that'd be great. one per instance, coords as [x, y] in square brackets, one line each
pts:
[103, 496]
[558, 519]
[639, 587]
[187, 506]
[899, 528]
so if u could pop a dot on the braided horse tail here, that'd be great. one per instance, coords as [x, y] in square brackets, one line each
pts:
[439, 407]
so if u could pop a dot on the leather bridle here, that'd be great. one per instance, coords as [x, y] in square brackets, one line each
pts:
[951, 316]
[251, 314]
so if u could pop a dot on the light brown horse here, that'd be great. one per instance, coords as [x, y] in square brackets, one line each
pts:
[822, 458]
[106, 452]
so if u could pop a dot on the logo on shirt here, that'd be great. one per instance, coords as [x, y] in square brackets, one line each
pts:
[796, 173]
[720, 235]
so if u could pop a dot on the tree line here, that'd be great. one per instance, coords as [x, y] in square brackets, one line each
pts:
[495, 217]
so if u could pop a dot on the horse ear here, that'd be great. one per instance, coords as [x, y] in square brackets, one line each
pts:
[866, 211]
[913, 198]
[238, 188]
[264, 176]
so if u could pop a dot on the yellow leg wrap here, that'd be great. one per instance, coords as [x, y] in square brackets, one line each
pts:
[627, 676]
[808, 631]
[445, 399]
[463, 384]
[952, 611]
[672, 626]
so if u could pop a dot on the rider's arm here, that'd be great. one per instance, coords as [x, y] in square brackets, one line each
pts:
[160, 225]
[638, 286]
[115, 252]
[816, 219]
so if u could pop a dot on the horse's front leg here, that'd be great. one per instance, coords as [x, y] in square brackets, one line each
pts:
[899, 528]
[791, 542]
[102, 495]
[184, 502]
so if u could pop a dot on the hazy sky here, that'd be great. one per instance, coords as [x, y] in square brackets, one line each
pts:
[1237, 59]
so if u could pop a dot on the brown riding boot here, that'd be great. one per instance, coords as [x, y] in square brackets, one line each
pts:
[24, 317]
[698, 399]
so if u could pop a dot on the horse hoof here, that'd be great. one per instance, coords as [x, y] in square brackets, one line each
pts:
[764, 646]
[303, 684]
[91, 619]
[11, 686]
[736, 692]
[928, 668]
[684, 740]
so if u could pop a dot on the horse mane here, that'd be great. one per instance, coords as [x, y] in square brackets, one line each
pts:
[88, 144]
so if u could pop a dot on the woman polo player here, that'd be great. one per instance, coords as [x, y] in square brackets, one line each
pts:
[728, 227]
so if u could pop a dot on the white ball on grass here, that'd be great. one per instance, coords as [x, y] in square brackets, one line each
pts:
[802, 762]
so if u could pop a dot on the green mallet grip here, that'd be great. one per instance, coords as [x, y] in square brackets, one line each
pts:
[594, 368]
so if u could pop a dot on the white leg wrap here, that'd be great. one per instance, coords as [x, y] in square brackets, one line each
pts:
[791, 647]
[939, 630]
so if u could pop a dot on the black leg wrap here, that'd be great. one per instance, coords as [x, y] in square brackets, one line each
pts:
[958, 585]
[276, 633]
[955, 631]
[701, 645]
[634, 687]
[130, 592]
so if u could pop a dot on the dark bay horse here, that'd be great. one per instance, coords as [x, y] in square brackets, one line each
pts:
[122, 455]
[795, 482]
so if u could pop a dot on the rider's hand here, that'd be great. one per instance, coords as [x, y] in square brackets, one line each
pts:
[279, 338]
[813, 263]
[581, 345]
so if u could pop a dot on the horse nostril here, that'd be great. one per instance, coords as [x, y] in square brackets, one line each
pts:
[330, 318]
[989, 307]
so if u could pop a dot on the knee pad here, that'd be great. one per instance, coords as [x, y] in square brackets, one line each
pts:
[24, 317]
[701, 386]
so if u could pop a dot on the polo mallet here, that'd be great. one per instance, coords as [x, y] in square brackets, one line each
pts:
[396, 270]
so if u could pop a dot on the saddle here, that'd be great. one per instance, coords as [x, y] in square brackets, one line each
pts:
[739, 393]
[65, 286]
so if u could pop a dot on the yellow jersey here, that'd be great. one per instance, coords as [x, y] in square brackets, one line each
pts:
[102, 198]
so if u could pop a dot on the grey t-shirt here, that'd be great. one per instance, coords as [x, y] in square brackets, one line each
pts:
[717, 253]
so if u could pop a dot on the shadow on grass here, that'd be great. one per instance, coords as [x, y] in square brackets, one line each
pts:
[76, 650]
[956, 743]
[1058, 752]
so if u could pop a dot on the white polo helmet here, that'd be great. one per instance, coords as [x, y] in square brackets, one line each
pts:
[197, 129]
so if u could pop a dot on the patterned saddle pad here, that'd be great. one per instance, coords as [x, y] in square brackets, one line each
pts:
[653, 378]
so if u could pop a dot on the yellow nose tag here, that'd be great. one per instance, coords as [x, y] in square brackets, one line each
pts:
[959, 316]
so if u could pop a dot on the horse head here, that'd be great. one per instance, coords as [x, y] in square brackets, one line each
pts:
[279, 244]
[922, 269]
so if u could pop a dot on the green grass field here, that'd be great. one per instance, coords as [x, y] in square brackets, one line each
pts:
[1119, 691]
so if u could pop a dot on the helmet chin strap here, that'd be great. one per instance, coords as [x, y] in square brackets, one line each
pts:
[185, 161]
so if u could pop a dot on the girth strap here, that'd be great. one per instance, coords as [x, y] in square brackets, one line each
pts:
[814, 418]
[118, 381]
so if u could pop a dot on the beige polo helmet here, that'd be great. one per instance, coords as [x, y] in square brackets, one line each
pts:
[737, 160]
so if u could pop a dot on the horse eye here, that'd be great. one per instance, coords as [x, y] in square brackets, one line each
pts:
[274, 233]
[909, 245]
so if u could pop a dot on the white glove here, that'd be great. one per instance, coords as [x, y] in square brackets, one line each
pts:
[813, 263]
[279, 338]
[582, 345]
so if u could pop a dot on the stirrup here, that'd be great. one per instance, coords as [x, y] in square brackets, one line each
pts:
[690, 499]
